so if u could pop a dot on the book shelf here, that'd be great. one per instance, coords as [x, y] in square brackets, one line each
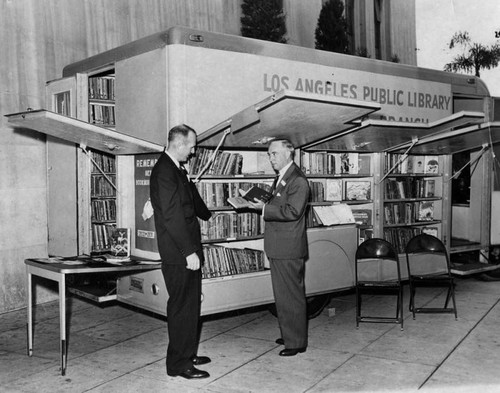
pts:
[102, 99]
[102, 200]
[228, 173]
[412, 197]
[341, 177]
[101, 112]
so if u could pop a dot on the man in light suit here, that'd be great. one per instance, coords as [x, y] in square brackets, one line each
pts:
[177, 204]
[285, 244]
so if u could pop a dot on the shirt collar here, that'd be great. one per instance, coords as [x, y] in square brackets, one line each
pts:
[177, 163]
[283, 170]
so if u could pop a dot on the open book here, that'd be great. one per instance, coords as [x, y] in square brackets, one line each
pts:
[334, 214]
[243, 201]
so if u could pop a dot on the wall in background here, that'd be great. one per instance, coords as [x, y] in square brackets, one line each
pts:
[39, 38]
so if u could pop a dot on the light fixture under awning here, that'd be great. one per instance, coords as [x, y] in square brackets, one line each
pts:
[380, 135]
[82, 133]
[456, 141]
[300, 117]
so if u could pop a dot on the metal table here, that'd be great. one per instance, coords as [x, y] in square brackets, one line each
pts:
[56, 269]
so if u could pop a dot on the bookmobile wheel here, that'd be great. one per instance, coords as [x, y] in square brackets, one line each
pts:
[315, 305]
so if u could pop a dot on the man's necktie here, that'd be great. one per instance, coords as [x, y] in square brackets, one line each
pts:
[275, 183]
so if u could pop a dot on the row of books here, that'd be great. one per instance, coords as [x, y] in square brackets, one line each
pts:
[232, 226]
[102, 88]
[105, 163]
[409, 187]
[215, 194]
[224, 163]
[412, 164]
[102, 114]
[224, 261]
[328, 163]
[408, 212]
[100, 186]
[400, 237]
[340, 190]
[103, 210]
[101, 237]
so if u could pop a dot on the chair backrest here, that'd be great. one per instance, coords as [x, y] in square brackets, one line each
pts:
[425, 243]
[376, 248]
[377, 260]
[426, 254]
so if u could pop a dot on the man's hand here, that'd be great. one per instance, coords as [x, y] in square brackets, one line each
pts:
[193, 261]
[257, 204]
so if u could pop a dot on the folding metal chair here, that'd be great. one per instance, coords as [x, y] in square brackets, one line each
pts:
[429, 266]
[378, 273]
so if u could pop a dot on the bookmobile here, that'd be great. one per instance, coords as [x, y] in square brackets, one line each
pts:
[382, 138]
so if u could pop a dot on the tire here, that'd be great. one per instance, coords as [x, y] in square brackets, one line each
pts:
[315, 305]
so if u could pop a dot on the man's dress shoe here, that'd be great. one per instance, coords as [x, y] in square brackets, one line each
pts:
[292, 351]
[199, 360]
[280, 341]
[192, 373]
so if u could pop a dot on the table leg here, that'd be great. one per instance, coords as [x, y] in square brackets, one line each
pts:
[62, 322]
[29, 326]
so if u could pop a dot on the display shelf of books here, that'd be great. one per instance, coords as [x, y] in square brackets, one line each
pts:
[223, 261]
[102, 200]
[227, 235]
[102, 99]
[341, 178]
[412, 197]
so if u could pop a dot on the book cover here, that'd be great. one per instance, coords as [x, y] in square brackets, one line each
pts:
[409, 164]
[333, 190]
[357, 190]
[257, 192]
[425, 211]
[430, 188]
[431, 164]
[349, 163]
[119, 239]
[364, 162]
[365, 234]
[243, 201]
[418, 164]
[362, 216]
[430, 231]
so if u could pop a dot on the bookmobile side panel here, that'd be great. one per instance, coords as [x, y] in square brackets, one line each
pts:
[141, 96]
[330, 267]
[206, 86]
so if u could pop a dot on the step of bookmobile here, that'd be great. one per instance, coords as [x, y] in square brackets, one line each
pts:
[354, 121]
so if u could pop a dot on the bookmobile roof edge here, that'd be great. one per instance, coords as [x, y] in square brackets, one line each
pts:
[462, 84]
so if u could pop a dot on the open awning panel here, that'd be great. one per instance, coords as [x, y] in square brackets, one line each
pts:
[456, 141]
[82, 133]
[300, 117]
[380, 135]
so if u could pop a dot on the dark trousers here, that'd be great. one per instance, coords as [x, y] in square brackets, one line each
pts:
[183, 315]
[287, 276]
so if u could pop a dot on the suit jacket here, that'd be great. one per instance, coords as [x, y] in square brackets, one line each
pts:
[284, 216]
[177, 204]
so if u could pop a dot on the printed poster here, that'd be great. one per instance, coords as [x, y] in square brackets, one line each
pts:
[145, 234]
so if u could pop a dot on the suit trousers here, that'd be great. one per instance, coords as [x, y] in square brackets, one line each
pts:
[287, 276]
[183, 315]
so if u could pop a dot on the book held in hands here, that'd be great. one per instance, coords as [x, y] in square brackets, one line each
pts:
[243, 201]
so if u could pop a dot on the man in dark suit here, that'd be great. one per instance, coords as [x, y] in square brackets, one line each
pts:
[285, 244]
[177, 204]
